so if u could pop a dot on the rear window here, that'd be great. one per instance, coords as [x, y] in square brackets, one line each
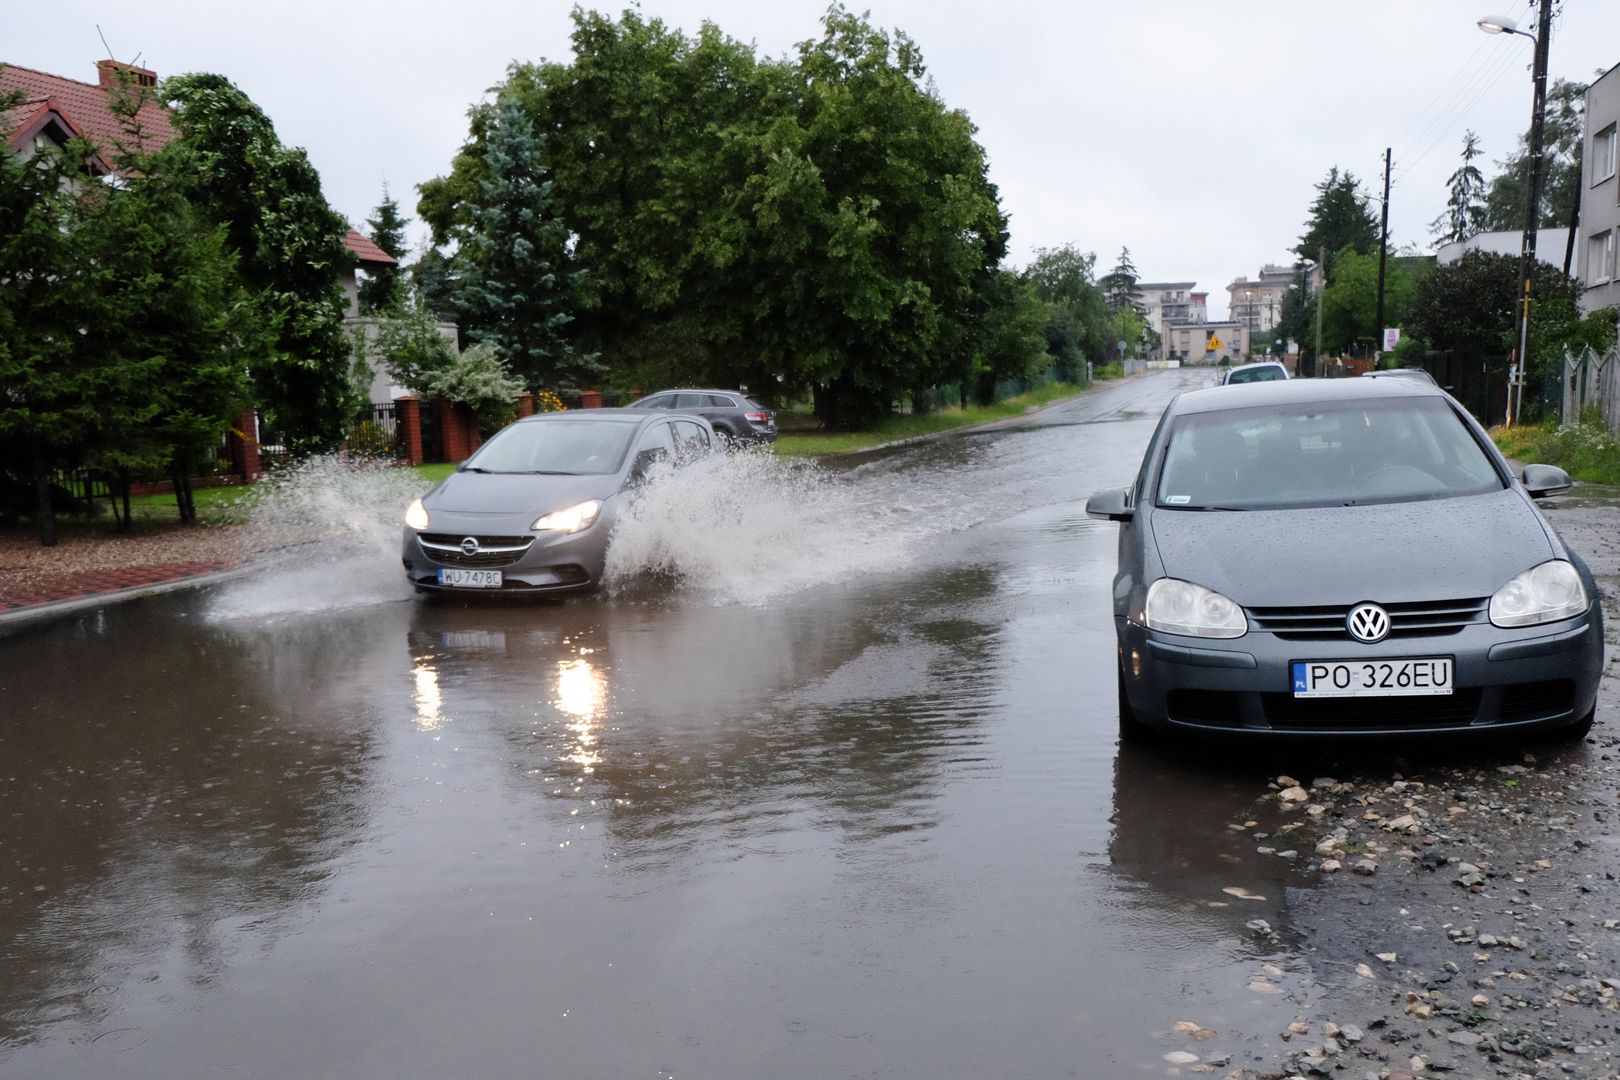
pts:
[1260, 374]
[1338, 454]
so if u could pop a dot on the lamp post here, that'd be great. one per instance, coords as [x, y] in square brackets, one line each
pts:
[1501, 24]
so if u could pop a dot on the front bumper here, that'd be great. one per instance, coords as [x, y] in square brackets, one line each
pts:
[1531, 678]
[549, 562]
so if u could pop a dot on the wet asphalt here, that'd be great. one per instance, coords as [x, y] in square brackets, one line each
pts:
[880, 827]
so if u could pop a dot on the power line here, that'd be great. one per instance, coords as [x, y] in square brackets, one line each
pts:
[1495, 76]
[1514, 13]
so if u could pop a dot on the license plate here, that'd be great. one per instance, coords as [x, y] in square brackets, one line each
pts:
[470, 579]
[1372, 678]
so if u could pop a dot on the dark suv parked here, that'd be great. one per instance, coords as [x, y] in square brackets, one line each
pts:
[734, 416]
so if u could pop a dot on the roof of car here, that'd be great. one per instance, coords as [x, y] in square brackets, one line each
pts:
[1259, 363]
[1300, 392]
[694, 390]
[621, 414]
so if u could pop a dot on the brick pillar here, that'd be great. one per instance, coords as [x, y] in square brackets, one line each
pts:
[634, 394]
[452, 431]
[590, 399]
[525, 403]
[243, 446]
[408, 421]
[469, 421]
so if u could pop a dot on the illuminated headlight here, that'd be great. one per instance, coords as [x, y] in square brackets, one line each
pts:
[1544, 593]
[570, 520]
[416, 515]
[1180, 607]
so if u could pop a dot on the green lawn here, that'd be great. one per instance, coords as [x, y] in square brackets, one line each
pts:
[895, 428]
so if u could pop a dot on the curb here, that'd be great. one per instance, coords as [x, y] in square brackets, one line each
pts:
[60, 608]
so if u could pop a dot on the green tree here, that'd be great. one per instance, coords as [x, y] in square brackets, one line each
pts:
[1077, 322]
[1340, 219]
[384, 287]
[1465, 206]
[1466, 308]
[289, 244]
[1562, 138]
[1012, 345]
[1119, 285]
[1350, 302]
[516, 286]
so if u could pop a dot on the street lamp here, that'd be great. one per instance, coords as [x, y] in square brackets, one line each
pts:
[1501, 24]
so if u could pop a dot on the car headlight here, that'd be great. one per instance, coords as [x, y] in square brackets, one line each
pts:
[570, 520]
[1542, 594]
[1180, 607]
[416, 515]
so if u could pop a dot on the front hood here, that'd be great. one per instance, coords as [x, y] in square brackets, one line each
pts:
[516, 493]
[1392, 553]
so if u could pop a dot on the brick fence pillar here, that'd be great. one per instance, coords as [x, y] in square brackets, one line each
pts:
[469, 422]
[525, 403]
[451, 431]
[408, 421]
[590, 399]
[243, 444]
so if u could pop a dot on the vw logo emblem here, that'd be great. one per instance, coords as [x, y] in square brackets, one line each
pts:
[469, 546]
[1368, 622]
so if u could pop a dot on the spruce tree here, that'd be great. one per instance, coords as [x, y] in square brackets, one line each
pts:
[517, 285]
[1465, 208]
[384, 288]
[1119, 285]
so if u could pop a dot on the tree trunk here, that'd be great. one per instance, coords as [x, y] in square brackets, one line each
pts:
[44, 513]
[180, 476]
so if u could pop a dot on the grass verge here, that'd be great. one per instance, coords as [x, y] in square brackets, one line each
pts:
[895, 428]
[1585, 450]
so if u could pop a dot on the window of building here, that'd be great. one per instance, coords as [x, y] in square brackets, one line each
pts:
[1603, 154]
[1600, 257]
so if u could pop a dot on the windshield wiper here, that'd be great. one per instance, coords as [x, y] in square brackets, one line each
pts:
[549, 472]
[473, 468]
[1224, 509]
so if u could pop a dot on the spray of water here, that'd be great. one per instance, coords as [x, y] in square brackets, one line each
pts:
[331, 530]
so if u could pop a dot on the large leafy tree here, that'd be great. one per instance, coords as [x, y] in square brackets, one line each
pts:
[289, 245]
[1465, 205]
[517, 286]
[1077, 315]
[1350, 301]
[384, 287]
[1562, 138]
[1466, 308]
[1340, 218]
[820, 221]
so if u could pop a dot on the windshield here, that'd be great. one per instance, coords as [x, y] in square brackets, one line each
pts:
[1269, 373]
[576, 447]
[1340, 454]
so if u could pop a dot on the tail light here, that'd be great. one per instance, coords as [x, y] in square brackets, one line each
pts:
[758, 417]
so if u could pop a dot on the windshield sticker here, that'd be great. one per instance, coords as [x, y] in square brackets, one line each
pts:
[1178, 500]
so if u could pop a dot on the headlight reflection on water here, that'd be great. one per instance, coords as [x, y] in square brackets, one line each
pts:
[582, 697]
[429, 701]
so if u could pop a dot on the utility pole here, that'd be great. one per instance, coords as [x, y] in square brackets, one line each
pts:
[1532, 214]
[1383, 251]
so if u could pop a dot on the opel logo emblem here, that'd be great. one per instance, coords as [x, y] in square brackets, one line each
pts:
[469, 546]
[1368, 622]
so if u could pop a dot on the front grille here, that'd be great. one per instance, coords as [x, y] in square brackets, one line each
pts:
[1348, 714]
[493, 551]
[1224, 708]
[1537, 700]
[1428, 618]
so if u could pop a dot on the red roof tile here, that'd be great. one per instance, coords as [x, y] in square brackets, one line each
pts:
[86, 106]
[366, 251]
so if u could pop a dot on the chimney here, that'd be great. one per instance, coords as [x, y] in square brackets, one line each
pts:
[109, 71]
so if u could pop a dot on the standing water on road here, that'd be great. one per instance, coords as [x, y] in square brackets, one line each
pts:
[845, 800]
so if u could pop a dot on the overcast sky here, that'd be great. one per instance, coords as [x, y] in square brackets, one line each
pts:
[1191, 133]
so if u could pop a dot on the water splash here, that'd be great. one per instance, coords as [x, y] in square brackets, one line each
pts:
[747, 527]
[331, 528]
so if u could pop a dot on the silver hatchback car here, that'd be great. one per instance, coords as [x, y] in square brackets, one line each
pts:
[534, 508]
[1345, 556]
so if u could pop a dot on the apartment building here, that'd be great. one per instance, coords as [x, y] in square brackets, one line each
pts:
[1596, 254]
[1257, 304]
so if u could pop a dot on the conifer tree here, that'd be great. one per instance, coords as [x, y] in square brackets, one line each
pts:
[384, 288]
[1465, 208]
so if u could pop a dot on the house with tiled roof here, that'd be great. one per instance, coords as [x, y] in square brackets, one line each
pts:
[61, 109]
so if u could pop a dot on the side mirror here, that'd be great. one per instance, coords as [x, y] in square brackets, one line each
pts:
[1111, 505]
[1544, 480]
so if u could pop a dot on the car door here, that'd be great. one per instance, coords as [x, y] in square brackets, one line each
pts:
[691, 442]
[656, 448]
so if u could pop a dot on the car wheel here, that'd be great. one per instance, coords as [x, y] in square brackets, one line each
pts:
[727, 439]
[1578, 730]
[1131, 728]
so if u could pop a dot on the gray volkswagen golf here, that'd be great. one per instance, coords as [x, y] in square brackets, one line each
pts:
[534, 508]
[1344, 556]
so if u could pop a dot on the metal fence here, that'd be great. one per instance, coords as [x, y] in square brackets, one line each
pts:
[1591, 380]
[374, 433]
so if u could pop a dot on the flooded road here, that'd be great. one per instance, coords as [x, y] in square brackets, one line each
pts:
[832, 793]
